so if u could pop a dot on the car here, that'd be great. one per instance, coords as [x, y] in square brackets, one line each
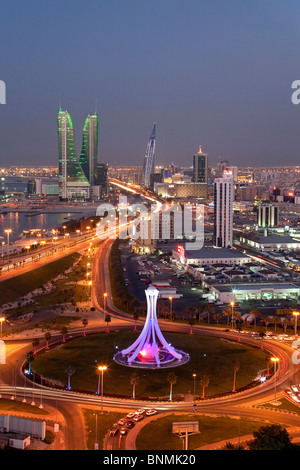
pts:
[129, 424]
[123, 431]
[138, 418]
[141, 411]
[295, 388]
[130, 415]
[114, 430]
[122, 421]
[151, 412]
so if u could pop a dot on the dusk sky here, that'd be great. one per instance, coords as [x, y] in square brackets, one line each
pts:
[213, 73]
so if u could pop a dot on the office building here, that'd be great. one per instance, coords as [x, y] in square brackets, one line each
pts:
[200, 167]
[149, 160]
[89, 152]
[73, 183]
[223, 211]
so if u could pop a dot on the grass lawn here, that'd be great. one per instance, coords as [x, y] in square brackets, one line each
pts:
[19, 286]
[209, 356]
[104, 422]
[285, 405]
[14, 405]
[157, 435]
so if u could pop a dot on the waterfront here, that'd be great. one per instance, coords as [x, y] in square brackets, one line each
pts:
[18, 221]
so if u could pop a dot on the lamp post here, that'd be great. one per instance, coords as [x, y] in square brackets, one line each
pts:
[8, 232]
[275, 360]
[296, 314]
[2, 319]
[194, 377]
[104, 301]
[101, 369]
[171, 307]
[232, 305]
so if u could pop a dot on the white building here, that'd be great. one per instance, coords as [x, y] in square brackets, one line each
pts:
[223, 211]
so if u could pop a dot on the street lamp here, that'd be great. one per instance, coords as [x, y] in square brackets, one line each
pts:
[8, 232]
[232, 305]
[275, 360]
[296, 314]
[104, 301]
[171, 309]
[2, 319]
[101, 369]
[194, 377]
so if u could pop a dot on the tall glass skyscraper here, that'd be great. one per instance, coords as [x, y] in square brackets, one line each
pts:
[149, 161]
[89, 152]
[200, 167]
[72, 179]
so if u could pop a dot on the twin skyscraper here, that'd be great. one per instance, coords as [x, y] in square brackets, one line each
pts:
[83, 178]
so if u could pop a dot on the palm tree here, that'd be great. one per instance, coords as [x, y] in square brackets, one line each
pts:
[47, 337]
[227, 312]
[235, 366]
[204, 382]
[209, 309]
[35, 344]
[64, 331]
[218, 317]
[172, 379]
[107, 321]
[276, 321]
[29, 359]
[69, 371]
[134, 380]
[256, 313]
[85, 322]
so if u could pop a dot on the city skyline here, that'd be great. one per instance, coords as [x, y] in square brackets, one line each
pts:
[225, 88]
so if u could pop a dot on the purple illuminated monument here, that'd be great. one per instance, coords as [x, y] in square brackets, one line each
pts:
[151, 350]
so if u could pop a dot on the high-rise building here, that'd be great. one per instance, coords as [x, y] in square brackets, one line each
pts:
[72, 180]
[149, 160]
[89, 152]
[267, 215]
[223, 211]
[101, 176]
[200, 167]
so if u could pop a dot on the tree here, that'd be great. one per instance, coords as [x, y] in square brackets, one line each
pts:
[272, 437]
[218, 317]
[107, 321]
[35, 344]
[172, 379]
[230, 446]
[227, 312]
[85, 323]
[64, 331]
[69, 371]
[256, 313]
[209, 309]
[134, 380]
[235, 366]
[29, 359]
[47, 337]
[204, 382]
